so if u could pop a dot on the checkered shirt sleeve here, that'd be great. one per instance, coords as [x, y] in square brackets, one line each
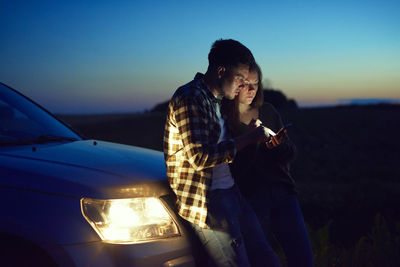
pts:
[191, 149]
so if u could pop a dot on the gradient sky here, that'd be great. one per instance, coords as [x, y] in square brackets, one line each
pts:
[122, 56]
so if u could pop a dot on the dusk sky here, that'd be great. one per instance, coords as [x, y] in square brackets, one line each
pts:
[124, 56]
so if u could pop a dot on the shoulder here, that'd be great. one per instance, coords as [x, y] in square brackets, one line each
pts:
[268, 107]
[191, 97]
[188, 93]
[267, 110]
[270, 116]
[188, 90]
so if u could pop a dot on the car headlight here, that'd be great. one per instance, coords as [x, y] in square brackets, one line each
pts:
[132, 220]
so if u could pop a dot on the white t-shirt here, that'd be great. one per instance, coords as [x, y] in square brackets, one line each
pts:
[222, 177]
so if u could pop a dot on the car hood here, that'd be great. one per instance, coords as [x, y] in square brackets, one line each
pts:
[95, 168]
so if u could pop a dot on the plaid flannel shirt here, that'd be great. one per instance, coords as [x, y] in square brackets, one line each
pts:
[191, 148]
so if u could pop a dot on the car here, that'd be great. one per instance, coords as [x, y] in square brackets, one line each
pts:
[71, 201]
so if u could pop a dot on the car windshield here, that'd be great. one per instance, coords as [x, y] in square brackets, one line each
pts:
[22, 122]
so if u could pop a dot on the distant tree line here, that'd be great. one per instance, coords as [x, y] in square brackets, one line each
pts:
[278, 99]
[273, 96]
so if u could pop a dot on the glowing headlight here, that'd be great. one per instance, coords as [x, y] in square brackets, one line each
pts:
[131, 220]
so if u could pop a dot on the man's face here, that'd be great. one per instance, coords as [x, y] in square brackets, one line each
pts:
[234, 81]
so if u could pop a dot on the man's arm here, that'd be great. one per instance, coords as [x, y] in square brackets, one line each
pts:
[192, 120]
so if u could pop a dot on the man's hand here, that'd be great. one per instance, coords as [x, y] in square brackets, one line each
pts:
[254, 134]
[260, 134]
[254, 123]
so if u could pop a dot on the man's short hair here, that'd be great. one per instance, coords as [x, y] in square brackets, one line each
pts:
[229, 53]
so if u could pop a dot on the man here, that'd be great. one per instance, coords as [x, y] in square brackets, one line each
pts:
[197, 150]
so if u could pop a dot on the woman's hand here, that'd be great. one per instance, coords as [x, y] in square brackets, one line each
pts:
[277, 139]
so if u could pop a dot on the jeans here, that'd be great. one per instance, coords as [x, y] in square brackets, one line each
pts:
[236, 237]
[280, 214]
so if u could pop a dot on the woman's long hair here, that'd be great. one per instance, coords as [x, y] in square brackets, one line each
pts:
[230, 108]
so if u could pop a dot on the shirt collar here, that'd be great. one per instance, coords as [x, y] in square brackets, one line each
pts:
[199, 81]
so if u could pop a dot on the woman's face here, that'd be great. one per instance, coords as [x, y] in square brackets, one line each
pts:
[248, 92]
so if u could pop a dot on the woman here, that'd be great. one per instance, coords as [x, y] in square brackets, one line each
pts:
[262, 172]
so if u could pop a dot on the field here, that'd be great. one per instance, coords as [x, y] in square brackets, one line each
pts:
[347, 172]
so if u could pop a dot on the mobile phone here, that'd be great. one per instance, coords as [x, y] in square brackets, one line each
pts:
[283, 128]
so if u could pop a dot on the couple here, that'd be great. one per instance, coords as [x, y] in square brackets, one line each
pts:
[216, 150]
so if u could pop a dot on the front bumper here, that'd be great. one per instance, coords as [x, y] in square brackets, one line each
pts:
[173, 252]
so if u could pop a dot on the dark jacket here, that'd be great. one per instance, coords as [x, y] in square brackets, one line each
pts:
[256, 166]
